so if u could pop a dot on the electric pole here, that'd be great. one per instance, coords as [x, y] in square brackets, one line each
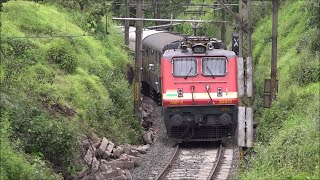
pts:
[138, 59]
[273, 85]
[126, 28]
[223, 25]
[158, 13]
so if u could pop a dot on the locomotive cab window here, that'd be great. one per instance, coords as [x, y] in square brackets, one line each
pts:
[214, 66]
[184, 67]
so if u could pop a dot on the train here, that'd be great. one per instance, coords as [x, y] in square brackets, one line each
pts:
[194, 79]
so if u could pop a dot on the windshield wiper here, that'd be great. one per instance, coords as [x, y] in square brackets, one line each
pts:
[188, 73]
[192, 89]
[207, 88]
[210, 71]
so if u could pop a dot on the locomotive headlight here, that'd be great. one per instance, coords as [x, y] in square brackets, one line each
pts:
[210, 46]
[225, 119]
[180, 92]
[176, 120]
[219, 92]
[199, 49]
[184, 47]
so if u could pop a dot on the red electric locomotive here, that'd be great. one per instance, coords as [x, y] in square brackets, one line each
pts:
[195, 80]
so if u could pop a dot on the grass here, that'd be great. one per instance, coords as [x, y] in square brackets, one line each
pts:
[60, 86]
[288, 136]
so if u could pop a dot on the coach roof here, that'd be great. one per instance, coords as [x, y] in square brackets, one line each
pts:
[159, 40]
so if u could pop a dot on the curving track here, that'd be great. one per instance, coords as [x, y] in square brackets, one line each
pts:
[198, 163]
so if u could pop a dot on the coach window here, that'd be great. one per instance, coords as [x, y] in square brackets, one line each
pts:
[184, 67]
[214, 66]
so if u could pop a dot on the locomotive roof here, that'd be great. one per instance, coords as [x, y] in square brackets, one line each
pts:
[159, 40]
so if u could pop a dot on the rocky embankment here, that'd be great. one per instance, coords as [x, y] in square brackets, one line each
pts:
[105, 160]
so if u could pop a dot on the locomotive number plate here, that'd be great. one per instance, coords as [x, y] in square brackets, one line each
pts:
[225, 101]
[176, 102]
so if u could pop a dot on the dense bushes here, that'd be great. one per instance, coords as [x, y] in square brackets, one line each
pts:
[288, 136]
[55, 89]
[35, 132]
[61, 53]
[307, 69]
[14, 164]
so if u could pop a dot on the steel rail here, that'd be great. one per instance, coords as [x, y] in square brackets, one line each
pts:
[166, 169]
[218, 159]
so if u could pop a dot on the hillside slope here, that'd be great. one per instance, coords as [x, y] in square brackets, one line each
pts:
[287, 144]
[58, 86]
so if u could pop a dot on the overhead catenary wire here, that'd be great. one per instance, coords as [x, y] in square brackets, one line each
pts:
[66, 36]
[170, 20]
[48, 37]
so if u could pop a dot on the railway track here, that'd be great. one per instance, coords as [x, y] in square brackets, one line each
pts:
[198, 163]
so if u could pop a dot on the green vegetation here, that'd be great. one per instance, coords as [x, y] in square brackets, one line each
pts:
[287, 144]
[213, 30]
[205, 29]
[57, 88]
[288, 133]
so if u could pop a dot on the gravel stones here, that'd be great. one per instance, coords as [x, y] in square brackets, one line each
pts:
[160, 149]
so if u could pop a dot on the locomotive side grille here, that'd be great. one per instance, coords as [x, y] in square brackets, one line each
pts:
[203, 133]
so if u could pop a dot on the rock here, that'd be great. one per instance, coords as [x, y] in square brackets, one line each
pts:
[110, 174]
[124, 176]
[88, 177]
[95, 164]
[86, 144]
[110, 147]
[121, 164]
[135, 159]
[146, 124]
[128, 164]
[133, 153]
[145, 147]
[117, 153]
[128, 174]
[124, 157]
[98, 176]
[147, 107]
[103, 161]
[90, 154]
[127, 148]
[115, 164]
[119, 171]
[119, 178]
[83, 174]
[105, 168]
[145, 114]
[105, 154]
[102, 147]
[142, 149]
[148, 137]
[97, 145]
[130, 150]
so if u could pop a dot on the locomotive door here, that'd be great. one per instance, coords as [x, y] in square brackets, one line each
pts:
[154, 70]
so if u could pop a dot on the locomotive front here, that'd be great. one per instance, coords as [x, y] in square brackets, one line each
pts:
[199, 90]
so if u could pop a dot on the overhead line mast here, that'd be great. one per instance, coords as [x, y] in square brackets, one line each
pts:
[273, 82]
[126, 30]
[138, 59]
